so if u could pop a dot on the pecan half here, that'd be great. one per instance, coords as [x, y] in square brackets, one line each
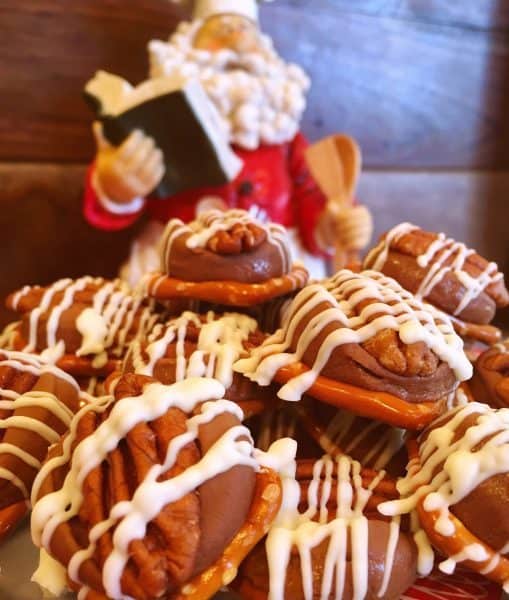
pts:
[407, 360]
[240, 238]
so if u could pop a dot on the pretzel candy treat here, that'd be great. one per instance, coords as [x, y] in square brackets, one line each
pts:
[194, 345]
[329, 541]
[37, 402]
[458, 486]
[136, 500]
[216, 237]
[83, 325]
[445, 273]
[361, 342]
[228, 258]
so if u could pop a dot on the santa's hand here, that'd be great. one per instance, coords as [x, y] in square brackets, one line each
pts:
[131, 170]
[354, 226]
[350, 227]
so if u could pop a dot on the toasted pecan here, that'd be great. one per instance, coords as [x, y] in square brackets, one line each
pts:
[242, 237]
[412, 360]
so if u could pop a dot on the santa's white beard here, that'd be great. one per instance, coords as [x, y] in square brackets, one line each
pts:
[259, 97]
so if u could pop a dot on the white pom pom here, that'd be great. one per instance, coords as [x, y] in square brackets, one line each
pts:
[226, 126]
[222, 58]
[255, 63]
[268, 114]
[203, 57]
[247, 139]
[240, 94]
[247, 116]
[298, 74]
[224, 105]
[283, 121]
[297, 106]
[267, 133]
[188, 70]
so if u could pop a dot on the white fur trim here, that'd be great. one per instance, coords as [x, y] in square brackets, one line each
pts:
[207, 8]
[260, 98]
[115, 208]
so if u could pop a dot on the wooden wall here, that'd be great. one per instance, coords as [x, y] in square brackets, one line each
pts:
[423, 85]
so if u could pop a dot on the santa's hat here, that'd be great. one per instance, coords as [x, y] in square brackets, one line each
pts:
[203, 9]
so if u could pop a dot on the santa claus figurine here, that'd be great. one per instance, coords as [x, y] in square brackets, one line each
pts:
[260, 100]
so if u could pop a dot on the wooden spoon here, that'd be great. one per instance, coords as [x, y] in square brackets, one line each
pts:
[335, 163]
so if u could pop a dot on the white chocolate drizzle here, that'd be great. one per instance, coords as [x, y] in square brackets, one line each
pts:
[393, 308]
[443, 255]
[19, 295]
[93, 329]
[50, 575]
[30, 363]
[35, 314]
[209, 223]
[347, 528]
[448, 470]
[38, 399]
[220, 343]
[130, 518]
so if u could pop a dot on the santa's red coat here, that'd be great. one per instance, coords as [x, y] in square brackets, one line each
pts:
[274, 178]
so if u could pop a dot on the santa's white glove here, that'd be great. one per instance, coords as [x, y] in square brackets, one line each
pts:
[130, 171]
[350, 227]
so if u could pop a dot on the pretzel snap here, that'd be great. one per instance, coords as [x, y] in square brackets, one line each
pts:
[495, 567]
[375, 405]
[231, 293]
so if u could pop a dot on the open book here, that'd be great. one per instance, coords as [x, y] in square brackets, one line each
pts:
[179, 116]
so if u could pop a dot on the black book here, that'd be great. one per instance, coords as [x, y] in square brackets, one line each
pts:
[179, 116]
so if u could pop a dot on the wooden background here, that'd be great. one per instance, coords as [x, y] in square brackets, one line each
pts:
[423, 85]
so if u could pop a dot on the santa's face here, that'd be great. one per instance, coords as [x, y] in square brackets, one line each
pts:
[232, 32]
[259, 97]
